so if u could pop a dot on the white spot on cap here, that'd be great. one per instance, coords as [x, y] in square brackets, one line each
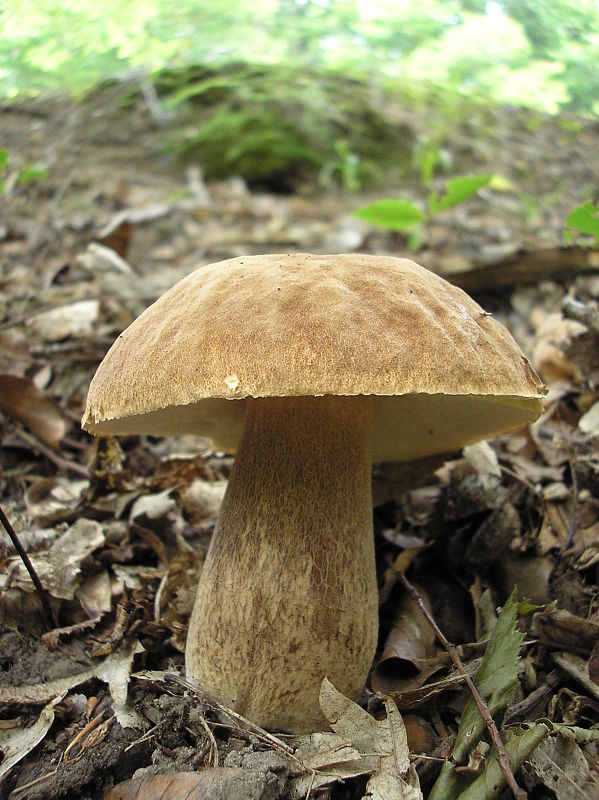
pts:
[232, 382]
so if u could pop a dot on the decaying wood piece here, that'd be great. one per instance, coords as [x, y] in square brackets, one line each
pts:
[527, 268]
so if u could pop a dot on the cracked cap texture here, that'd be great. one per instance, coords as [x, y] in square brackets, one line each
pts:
[442, 372]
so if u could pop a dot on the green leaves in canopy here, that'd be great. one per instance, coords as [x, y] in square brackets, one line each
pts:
[585, 220]
[458, 190]
[398, 215]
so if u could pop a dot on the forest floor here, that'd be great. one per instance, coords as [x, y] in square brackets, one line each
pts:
[97, 222]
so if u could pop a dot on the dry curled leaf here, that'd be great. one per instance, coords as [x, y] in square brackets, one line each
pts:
[180, 786]
[410, 646]
[559, 628]
[415, 696]
[70, 319]
[559, 765]
[392, 778]
[215, 783]
[17, 742]
[22, 400]
[59, 567]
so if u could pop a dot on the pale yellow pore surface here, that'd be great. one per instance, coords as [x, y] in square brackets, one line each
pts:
[288, 591]
[299, 324]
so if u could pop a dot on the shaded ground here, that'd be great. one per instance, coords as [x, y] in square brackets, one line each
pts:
[114, 529]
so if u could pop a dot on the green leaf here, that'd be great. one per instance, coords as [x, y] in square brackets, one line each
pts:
[526, 606]
[520, 745]
[398, 215]
[3, 163]
[495, 680]
[32, 173]
[585, 220]
[457, 190]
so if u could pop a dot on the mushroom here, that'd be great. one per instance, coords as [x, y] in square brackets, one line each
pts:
[309, 367]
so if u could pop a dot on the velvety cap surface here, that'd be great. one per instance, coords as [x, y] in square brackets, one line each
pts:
[299, 324]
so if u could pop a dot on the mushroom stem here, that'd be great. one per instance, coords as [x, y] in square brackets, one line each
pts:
[288, 591]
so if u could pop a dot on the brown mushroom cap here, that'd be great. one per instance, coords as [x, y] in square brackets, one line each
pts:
[443, 373]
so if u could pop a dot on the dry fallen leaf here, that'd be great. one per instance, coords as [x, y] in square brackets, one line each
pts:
[115, 670]
[95, 594]
[414, 696]
[71, 319]
[37, 694]
[559, 765]
[54, 499]
[589, 422]
[562, 629]
[59, 568]
[483, 458]
[16, 743]
[180, 786]
[358, 745]
[410, 645]
[21, 399]
[577, 668]
[176, 595]
[202, 499]
[392, 779]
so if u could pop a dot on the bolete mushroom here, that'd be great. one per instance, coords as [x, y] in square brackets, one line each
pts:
[309, 367]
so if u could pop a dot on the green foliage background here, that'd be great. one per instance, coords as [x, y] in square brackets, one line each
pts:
[283, 124]
[540, 53]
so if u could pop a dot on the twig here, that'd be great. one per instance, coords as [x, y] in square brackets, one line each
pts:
[247, 724]
[502, 756]
[49, 618]
[147, 735]
[91, 725]
[59, 461]
[516, 475]
[213, 745]
[34, 782]
[520, 710]
[309, 792]
[251, 726]
[573, 523]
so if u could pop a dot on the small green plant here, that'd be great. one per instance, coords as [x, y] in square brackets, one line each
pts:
[403, 215]
[29, 172]
[345, 167]
[32, 173]
[430, 157]
[583, 220]
[495, 679]
[3, 163]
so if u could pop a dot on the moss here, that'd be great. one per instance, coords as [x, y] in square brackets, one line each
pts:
[280, 125]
